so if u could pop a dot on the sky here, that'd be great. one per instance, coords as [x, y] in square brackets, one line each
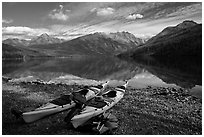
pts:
[68, 20]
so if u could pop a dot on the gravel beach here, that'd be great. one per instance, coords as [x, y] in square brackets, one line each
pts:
[147, 111]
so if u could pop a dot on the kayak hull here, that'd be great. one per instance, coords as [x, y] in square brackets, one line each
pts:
[50, 108]
[89, 112]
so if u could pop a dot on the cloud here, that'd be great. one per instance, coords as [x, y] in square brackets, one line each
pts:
[103, 11]
[134, 16]
[7, 21]
[23, 32]
[16, 30]
[93, 10]
[74, 31]
[59, 14]
[61, 6]
[190, 10]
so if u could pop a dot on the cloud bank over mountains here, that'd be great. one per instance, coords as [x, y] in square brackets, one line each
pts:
[74, 19]
[23, 32]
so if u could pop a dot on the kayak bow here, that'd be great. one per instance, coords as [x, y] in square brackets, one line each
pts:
[60, 104]
[109, 99]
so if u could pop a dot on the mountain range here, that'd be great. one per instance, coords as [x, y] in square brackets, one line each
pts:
[182, 40]
[96, 44]
[91, 44]
[43, 39]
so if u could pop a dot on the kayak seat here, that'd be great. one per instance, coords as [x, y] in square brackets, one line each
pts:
[110, 94]
[83, 92]
[79, 98]
[63, 100]
[97, 102]
[98, 86]
[122, 87]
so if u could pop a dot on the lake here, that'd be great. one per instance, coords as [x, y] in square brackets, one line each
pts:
[140, 73]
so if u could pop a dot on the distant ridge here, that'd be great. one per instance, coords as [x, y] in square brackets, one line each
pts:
[89, 45]
[95, 44]
[42, 39]
[184, 39]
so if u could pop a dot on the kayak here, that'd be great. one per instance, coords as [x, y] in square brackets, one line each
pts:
[60, 104]
[98, 105]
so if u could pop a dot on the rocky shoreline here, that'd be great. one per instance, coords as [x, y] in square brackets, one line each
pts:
[147, 111]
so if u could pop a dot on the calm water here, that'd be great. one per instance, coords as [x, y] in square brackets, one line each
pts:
[141, 73]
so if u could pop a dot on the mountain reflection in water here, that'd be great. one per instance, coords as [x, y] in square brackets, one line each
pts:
[140, 72]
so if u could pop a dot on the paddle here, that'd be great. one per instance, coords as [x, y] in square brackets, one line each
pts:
[102, 121]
